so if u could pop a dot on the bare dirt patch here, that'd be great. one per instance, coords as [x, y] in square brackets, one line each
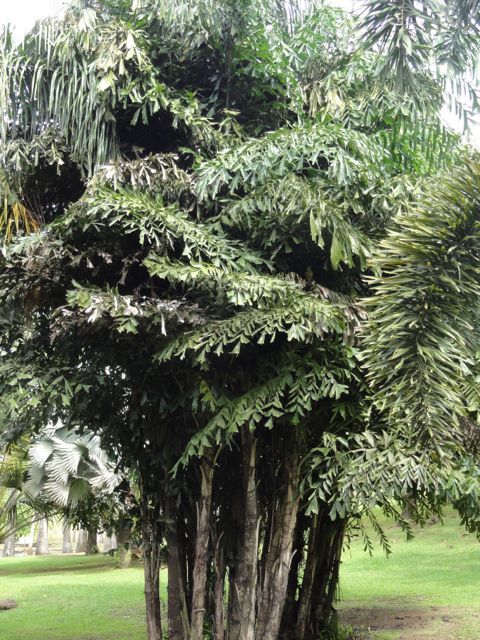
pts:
[410, 622]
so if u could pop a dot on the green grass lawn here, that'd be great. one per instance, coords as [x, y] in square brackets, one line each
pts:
[74, 597]
[428, 588]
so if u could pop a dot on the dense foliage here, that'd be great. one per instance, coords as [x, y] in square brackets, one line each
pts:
[418, 37]
[216, 184]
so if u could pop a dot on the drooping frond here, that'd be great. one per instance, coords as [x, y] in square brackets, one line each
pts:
[327, 148]
[421, 337]
[279, 211]
[15, 218]
[288, 392]
[78, 72]
[357, 473]
[159, 173]
[164, 226]
[126, 313]
[239, 288]
[302, 320]
[404, 32]
[414, 36]
[257, 290]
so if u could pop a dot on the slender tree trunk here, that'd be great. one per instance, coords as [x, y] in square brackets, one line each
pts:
[81, 541]
[219, 594]
[151, 541]
[151, 560]
[279, 559]
[92, 545]
[67, 537]
[201, 550]
[313, 557]
[178, 622]
[295, 578]
[124, 542]
[322, 616]
[30, 540]
[9, 543]
[187, 552]
[9, 546]
[334, 577]
[42, 537]
[242, 619]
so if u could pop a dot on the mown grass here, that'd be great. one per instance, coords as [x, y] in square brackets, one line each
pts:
[74, 597]
[438, 569]
[88, 598]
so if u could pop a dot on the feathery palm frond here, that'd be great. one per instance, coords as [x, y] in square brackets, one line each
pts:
[166, 227]
[421, 335]
[415, 36]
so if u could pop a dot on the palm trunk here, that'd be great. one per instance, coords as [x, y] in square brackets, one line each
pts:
[9, 546]
[295, 578]
[151, 564]
[124, 535]
[30, 539]
[42, 537]
[178, 621]
[277, 570]
[151, 559]
[81, 541]
[242, 613]
[92, 546]
[201, 550]
[67, 537]
[308, 577]
[9, 543]
[219, 594]
[322, 616]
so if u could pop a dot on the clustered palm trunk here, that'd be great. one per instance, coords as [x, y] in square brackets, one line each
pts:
[245, 561]
[183, 281]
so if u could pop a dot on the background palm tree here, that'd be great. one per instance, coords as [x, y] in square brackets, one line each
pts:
[42, 537]
[223, 179]
[56, 470]
[417, 36]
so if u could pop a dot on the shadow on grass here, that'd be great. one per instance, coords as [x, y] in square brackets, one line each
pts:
[44, 565]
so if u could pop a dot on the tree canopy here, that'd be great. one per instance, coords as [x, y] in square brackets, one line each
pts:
[248, 283]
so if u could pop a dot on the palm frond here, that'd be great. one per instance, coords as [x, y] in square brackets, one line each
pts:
[420, 336]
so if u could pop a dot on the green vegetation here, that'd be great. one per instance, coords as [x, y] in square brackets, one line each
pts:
[432, 580]
[254, 279]
[81, 597]
[428, 585]
[417, 36]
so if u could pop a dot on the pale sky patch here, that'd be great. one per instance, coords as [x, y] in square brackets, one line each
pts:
[22, 14]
